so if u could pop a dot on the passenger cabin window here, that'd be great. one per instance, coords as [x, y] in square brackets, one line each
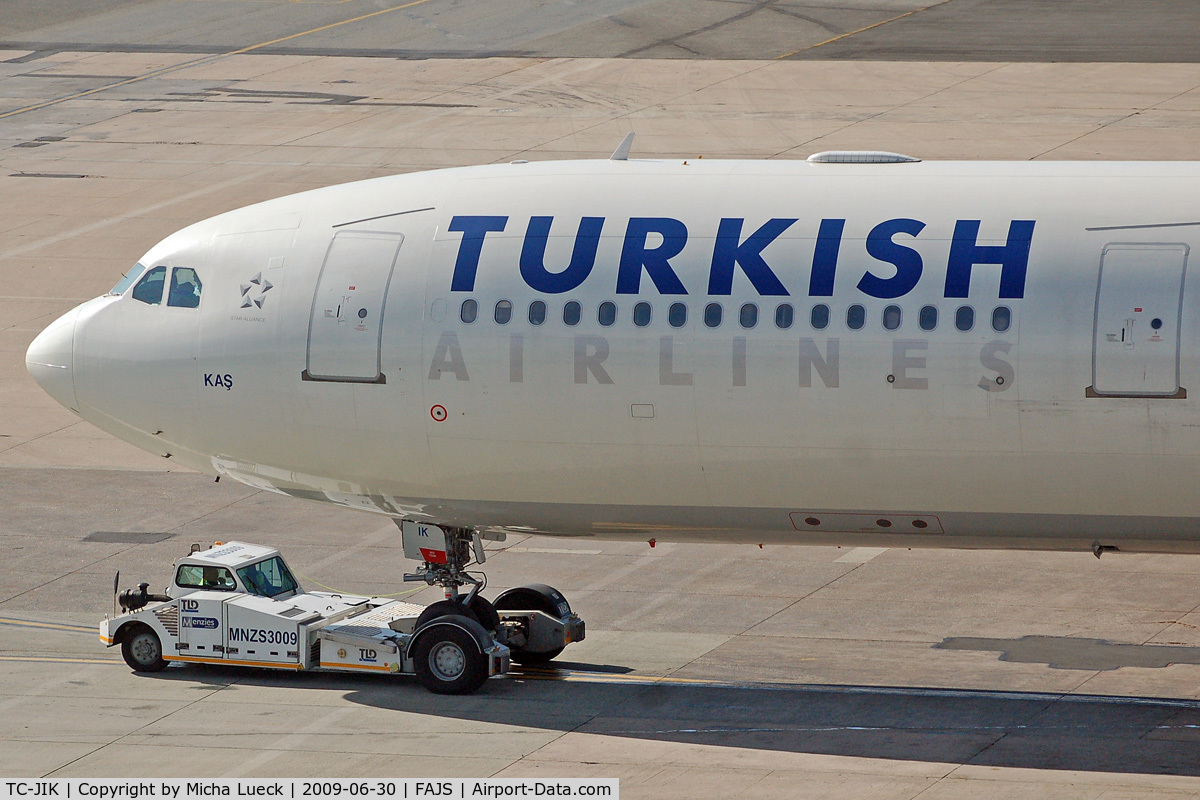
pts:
[571, 313]
[748, 316]
[267, 578]
[185, 288]
[1001, 319]
[150, 288]
[677, 315]
[503, 312]
[607, 313]
[641, 315]
[537, 312]
[712, 315]
[856, 317]
[819, 317]
[784, 316]
[195, 576]
[964, 318]
[891, 318]
[127, 279]
[927, 319]
[470, 310]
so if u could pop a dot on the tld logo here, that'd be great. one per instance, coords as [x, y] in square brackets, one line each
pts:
[189, 605]
[367, 655]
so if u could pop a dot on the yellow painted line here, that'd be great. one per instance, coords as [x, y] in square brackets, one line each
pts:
[603, 677]
[54, 660]
[201, 660]
[380, 668]
[860, 30]
[51, 625]
[206, 60]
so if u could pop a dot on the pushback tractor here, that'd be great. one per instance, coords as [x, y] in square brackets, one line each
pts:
[239, 604]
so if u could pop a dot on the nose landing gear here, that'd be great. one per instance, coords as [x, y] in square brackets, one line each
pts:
[535, 621]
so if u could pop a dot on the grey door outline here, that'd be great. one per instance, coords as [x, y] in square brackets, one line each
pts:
[379, 377]
[1178, 392]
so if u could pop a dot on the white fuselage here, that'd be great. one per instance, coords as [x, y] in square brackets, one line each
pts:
[329, 359]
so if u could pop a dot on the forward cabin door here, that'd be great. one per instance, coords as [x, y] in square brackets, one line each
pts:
[345, 328]
[1139, 303]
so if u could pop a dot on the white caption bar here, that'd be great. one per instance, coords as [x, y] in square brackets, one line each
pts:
[372, 789]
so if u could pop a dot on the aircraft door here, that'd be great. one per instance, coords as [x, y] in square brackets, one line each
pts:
[1139, 303]
[345, 327]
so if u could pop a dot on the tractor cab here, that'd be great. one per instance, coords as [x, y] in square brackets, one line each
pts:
[234, 567]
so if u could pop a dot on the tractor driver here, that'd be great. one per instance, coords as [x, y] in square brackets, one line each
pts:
[213, 579]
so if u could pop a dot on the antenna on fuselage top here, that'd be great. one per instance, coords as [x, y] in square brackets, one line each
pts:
[622, 151]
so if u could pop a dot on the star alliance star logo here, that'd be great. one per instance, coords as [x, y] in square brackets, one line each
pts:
[254, 293]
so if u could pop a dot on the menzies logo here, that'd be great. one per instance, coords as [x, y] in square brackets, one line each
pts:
[204, 623]
[650, 243]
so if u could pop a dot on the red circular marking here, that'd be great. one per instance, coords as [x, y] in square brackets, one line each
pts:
[438, 413]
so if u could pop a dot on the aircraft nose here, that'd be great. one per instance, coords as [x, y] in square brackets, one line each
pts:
[50, 359]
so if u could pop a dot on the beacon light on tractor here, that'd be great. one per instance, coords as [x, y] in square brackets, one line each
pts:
[239, 604]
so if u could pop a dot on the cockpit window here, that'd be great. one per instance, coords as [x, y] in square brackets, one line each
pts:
[128, 280]
[267, 578]
[150, 288]
[185, 288]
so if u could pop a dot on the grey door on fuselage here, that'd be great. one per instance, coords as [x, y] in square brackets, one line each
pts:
[345, 328]
[1139, 305]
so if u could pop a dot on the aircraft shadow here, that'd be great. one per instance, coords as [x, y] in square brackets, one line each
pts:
[1032, 730]
[1004, 729]
[1067, 652]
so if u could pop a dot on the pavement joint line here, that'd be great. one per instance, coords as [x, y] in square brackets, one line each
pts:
[674, 41]
[893, 109]
[374, 538]
[588, 720]
[127, 734]
[24, 442]
[196, 62]
[798, 600]
[481, 83]
[104, 223]
[67, 574]
[848, 34]
[626, 114]
[288, 743]
[125, 550]
[1110, 123]
[668, 597]
[210, 512]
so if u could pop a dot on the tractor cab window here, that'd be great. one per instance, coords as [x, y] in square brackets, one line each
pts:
[150, 288]
[185, 288]
[196, 576]
[267, 578]
[127, 279]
